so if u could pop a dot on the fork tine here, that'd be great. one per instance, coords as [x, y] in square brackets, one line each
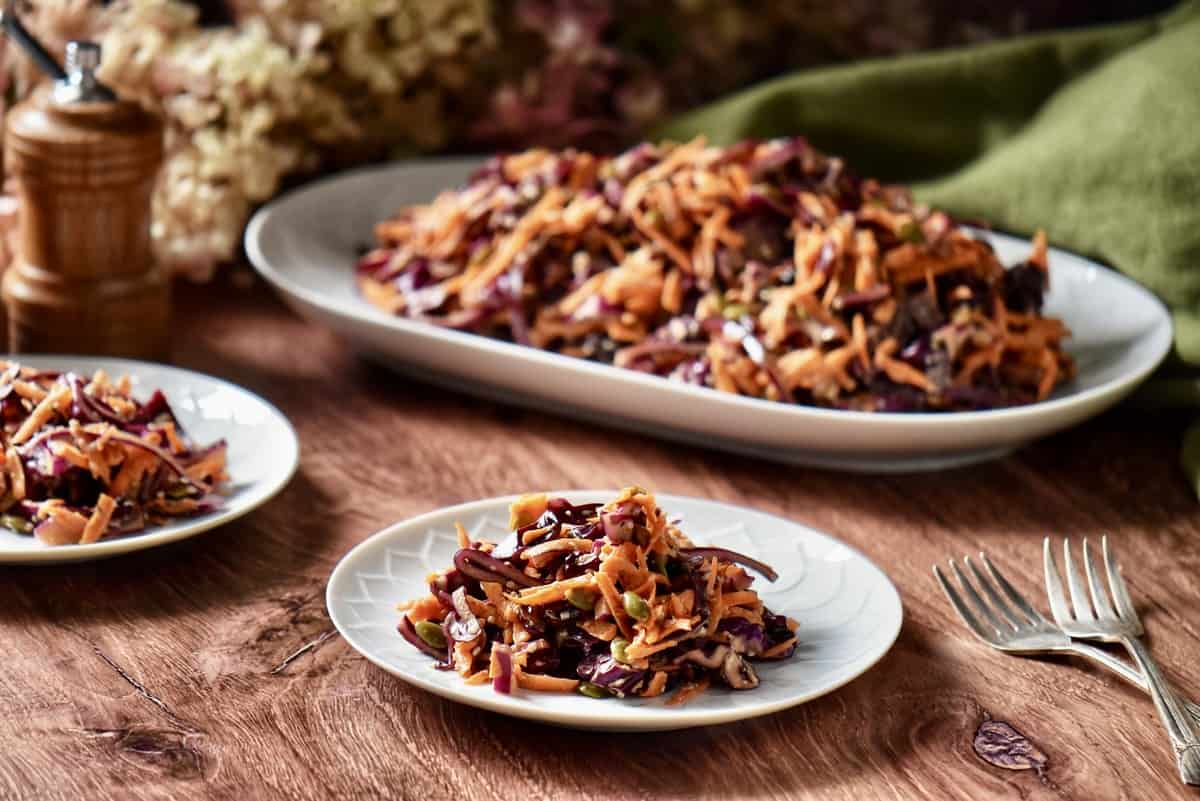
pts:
[963, 610]
[1054, 588]
[980, 605]
[1017, 598]
[1079, 596]
[1104, 609]
[1117, 583]
[998, 603]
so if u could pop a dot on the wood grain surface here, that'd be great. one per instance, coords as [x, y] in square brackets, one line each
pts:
[208, 669]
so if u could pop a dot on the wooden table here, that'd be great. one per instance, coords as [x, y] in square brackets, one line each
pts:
[208, 669]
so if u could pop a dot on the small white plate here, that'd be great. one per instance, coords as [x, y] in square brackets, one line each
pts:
[849, 613]
[263, 452]
[305, 244]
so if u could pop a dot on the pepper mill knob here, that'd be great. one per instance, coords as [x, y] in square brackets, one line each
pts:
[80, 85]
[82, 56]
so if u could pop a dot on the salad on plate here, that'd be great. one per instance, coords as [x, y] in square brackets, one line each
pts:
[83, 459]
[765, 269]
[604, 600]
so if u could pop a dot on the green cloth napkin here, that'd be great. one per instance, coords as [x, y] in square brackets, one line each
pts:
[1092, 134]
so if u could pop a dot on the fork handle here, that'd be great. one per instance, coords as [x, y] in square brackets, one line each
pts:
[1185, 739]
[1129, 674]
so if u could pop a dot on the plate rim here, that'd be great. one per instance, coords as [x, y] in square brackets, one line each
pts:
[361, 312]
[680, 718]
[106, 548]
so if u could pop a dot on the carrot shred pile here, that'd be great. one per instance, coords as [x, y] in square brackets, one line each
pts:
[762, 269]
[604, 600]
[83, 459]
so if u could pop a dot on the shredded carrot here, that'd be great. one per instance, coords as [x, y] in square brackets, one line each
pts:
[70, 453]
[658, 684]
[29, 391]
[134, 466]
[555, 546]
[779, 648]
[688, 692]
[428, 608]
[641, 650]
[599, 629]
[98, 522]
[16, 474]
[609, 590]
[494, 592]
[41, 414]
[544, 683]
[551, 593]
[478, 677]
[173, 440]
[740, 598]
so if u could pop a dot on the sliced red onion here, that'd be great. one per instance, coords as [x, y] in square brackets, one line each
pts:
[726, 555]
[567, 512]
[658, 347]
[502, 682]
[618, 524]
[461, 630]
[190, 458]
[29, 447]
[465, 626]
[373, 262]
[166, 458]
[153, 408]
[738, 582]
[93, 410]
[508, 547]
[151, 483]
[825, 257]
[482, 567]
[586, 531]
[865, 297]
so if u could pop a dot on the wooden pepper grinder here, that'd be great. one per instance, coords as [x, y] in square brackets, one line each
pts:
[85, 280]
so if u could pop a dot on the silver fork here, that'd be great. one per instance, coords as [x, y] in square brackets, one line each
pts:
[1020, 628]
[1095, 618]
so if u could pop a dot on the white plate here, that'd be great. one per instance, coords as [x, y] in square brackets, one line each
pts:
[305, 244]
[263, 452]
[848, 610]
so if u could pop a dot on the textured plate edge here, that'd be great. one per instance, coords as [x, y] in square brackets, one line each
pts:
[681, 719]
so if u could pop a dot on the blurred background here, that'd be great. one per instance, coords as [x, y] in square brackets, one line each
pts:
[258, 95]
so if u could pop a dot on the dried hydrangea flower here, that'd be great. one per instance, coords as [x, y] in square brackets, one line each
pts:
[246, 106]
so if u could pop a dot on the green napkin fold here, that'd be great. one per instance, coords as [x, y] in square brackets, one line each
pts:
[1092, 134]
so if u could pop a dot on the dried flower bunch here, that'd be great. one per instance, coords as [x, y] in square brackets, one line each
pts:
[289, 87]
[294, 86]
